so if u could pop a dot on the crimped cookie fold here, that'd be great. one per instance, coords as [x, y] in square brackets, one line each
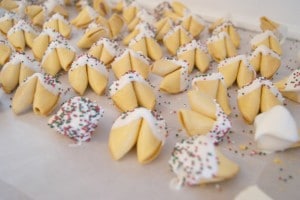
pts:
[290, 86]
[267, 39]
[91, 35]
[114, 24]
[21, 35]
[141, 127]
[147, 45]
[141, 28]
[43, 40]
[225, 25]
[87, 70]
[220, 46]
[102, 7]
[163, 26]
[59, 24]
[237, 69]
[37, 14]
[7, 21]
[174, 73]
[105, 50]
[193, 24]
[214, 85]
[40, 91]
[206, 117]
[132, 91]
[175, 38]
[195, 53]
[85, 17]
[258, 96]
[264, 60]
[6, 50]
[59, 55]
[142, 16]
[17, 70]
[130, 10]
[129, 60]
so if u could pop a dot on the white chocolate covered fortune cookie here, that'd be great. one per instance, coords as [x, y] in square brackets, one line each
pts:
[58, 23]
[220, 46]
[225, 25]
[141, 16]
[268, 39]
[129, 11]
[21, 35]
[37, 14]
[142, 128]
[177, 11]
[9, 5]
[7, 21]
[105, 50]
[205, 117]
[6, 50]
[141, 28]
[163, 26]
[43, 40]
[114, 24]
[85, 17]
[132, 91]
[290, 86]
[258, 96]
[196, 54]
[41, 91]
[237, 69]
[196, 160]
[129, 60]
[194, 24]
[174, 73]
[276, 130]
[77, 109]
[268, 24]
[175, 38]
[213, 84]
[91, 35]
[265, 61]
[59, 55]
[87, 70]
[102, 7]
[147, 45]
[17, 70]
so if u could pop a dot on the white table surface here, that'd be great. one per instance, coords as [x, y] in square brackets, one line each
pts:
[38, 163]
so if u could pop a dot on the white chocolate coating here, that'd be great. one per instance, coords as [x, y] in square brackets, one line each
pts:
[155, 121]
[275, 130]
[87, 60]
[126, 79]
[193, 159]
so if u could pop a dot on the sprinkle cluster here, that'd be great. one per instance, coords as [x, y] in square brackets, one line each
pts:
[258, 83]
[220, 127]
[77, 118]
[293, 82]
[194, 159]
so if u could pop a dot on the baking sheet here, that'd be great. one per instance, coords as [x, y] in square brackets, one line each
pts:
[38, 163]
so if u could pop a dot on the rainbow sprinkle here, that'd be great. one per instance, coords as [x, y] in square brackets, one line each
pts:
[77, 118]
